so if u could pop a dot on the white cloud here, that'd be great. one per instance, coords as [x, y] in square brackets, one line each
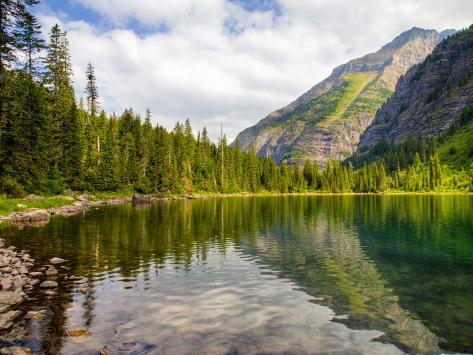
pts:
[201, 70]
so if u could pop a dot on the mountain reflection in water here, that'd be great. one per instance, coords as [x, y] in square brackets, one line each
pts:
[260, 274]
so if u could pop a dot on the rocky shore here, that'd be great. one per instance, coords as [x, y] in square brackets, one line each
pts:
[40, 216]
[16, 280]
[20, 278]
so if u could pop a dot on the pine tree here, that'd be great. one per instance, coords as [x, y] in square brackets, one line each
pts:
[61, 95]
[73, 148]
[91, 91]
[308, 173]
[28, 40]
[13, 18]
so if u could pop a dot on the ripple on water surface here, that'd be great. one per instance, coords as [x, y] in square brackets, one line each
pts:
[229, 304]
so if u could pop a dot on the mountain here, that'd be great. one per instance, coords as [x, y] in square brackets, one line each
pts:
[328, 120]
[433, 99]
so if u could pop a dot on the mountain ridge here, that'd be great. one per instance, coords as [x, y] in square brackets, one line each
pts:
[301, 130]
[435, 93]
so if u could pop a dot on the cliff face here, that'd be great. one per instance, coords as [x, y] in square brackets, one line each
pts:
[328, 120]
[430, 97]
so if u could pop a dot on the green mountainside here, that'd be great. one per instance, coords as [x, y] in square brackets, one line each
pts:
[327, 121]
[432, 105]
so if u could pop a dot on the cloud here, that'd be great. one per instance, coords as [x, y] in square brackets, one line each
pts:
[231, 61]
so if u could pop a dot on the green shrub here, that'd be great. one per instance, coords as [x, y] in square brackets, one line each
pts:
[55, 184]
[11, 187]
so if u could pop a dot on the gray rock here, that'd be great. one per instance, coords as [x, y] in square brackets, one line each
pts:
[6, 319]
[141, 199]
[51, 271]
[6, 283]
[48, 284]
[36, 274]
[16, 350]
[32, 215]
[4, 260]
[57, 260]
[10, 297]
[33, 282]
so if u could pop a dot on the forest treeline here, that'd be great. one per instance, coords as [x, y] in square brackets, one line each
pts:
[50, 141]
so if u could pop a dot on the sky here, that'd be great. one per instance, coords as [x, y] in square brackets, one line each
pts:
[229, 61]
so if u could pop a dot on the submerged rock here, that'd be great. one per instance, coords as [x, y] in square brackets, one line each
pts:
[57, 260]
[35, 314]
[51, 271]
[78, 334]
[16, 350]
[83, 290]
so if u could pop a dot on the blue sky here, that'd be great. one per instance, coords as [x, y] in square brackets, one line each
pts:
[74, 10]
[233, 61]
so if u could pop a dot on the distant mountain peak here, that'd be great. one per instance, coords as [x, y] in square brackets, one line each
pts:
[327, 121]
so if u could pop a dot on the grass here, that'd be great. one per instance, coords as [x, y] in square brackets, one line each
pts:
[355, 83]
[9, 205]
[457, 148]
[107, 195]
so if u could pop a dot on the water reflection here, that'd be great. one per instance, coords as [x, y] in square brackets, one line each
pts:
[257, 274]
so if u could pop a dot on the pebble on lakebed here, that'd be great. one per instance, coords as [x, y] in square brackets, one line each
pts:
[48, 284]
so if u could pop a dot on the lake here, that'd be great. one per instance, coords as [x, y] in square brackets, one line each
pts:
[266, 274]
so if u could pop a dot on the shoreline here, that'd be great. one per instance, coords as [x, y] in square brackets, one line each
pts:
[82, 203]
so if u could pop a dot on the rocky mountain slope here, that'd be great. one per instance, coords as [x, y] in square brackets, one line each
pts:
[328, 120]
[433, 97]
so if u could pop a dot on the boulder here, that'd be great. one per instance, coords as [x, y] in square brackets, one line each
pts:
[68, 210]
[57, 260]
[7, 318]
[31, 215]
[48, 284]
[140, 199]
[51, 271]
[6, 283]
[10, 297]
